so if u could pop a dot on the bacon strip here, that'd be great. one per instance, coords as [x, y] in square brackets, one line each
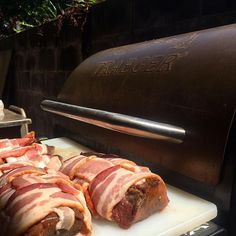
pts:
[30, 151]
[85, 168]
[6, 167]
[9, 144]
[67, 217]
[26, 180]
[9, 176]
[40, 161]
[127, 164]
[26, 176]
[90, 169]
[71, 165]
[116, 160]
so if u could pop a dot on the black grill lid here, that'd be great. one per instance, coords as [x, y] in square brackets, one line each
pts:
[186, 81]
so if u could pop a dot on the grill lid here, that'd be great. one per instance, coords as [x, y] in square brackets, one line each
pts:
[187, 81]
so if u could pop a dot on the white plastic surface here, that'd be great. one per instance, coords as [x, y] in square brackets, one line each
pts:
[184, 212]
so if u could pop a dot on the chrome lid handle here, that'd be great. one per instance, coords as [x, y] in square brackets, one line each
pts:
[117, 122]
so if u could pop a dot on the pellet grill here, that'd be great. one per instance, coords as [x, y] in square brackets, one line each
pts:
[166, 103]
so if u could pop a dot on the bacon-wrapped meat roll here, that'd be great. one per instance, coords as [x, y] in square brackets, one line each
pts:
[126, 197]
[119, 190]
[46, 204]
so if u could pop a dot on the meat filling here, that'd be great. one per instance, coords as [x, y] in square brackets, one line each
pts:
[47, 226]
[140, 201]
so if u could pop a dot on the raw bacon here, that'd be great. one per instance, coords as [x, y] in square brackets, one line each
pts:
[84, 168]
[29, 151]
[116, 160]
[41, 161]
[24, 176]
[40, 155]
[6, 167]
[9, 176]
[9, 144]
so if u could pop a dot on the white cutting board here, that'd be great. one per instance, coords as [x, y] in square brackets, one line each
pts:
[66, 147]
[184, 212]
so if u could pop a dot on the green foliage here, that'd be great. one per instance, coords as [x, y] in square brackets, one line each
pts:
[18, 15]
